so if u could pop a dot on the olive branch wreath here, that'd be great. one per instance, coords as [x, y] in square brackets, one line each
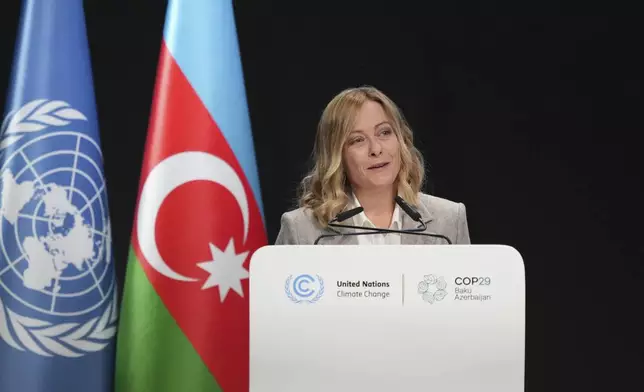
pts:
[287, 289]
[35, 116]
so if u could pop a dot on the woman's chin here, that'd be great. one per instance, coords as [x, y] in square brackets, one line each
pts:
[380, 183]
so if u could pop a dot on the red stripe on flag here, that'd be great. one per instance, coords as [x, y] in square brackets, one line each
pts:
[193, 216]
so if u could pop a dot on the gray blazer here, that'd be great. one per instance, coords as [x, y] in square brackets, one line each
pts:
[441, 216]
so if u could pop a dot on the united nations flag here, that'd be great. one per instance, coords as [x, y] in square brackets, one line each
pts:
[57, 285]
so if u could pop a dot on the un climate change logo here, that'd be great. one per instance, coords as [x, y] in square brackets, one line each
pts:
[432, 289]
[304, 288]
[56, 274]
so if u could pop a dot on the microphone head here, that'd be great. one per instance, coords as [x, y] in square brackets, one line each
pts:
[344, 215]
[415, 215]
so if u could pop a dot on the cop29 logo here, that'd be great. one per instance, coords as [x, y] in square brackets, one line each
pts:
[432, 289]
[304, 288]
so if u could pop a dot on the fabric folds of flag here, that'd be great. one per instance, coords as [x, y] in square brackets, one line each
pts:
[184, 316]
[57, 284]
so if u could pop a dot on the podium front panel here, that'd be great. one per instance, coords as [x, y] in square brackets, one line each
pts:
[383, 318]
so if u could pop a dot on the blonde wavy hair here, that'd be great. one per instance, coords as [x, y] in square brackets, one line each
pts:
[325, 189]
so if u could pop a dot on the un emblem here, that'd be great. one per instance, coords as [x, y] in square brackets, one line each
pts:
[304, 288]
[57, 284]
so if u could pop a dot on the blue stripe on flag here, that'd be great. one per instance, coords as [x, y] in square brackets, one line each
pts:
[202, 37]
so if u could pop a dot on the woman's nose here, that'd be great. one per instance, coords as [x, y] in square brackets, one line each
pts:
[375, 149]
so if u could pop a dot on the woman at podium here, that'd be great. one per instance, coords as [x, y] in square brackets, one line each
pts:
[365, 185]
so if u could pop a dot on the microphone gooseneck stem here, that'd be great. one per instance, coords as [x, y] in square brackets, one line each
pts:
[372, 231]
[411, 212]
[378, 232]
[422, 227]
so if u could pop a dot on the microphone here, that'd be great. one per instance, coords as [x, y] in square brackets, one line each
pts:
[344, 215]
[415, 215]
[409, 210]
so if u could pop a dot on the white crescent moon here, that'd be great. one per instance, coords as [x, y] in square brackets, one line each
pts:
[169, 174]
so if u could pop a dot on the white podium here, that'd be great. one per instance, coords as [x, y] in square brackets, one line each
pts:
[387, 318]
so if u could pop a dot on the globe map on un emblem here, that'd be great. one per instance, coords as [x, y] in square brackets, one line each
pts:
[55, 234]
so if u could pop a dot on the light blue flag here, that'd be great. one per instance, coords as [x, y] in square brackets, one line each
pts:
[57, 284]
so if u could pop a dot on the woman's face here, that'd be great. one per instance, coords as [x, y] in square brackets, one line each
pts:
[372, 151]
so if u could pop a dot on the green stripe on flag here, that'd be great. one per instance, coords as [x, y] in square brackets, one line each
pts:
[152, 353]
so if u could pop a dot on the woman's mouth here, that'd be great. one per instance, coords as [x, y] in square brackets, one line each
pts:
[378, 166]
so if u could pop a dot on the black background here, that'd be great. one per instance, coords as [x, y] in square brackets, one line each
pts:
[532, 121]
